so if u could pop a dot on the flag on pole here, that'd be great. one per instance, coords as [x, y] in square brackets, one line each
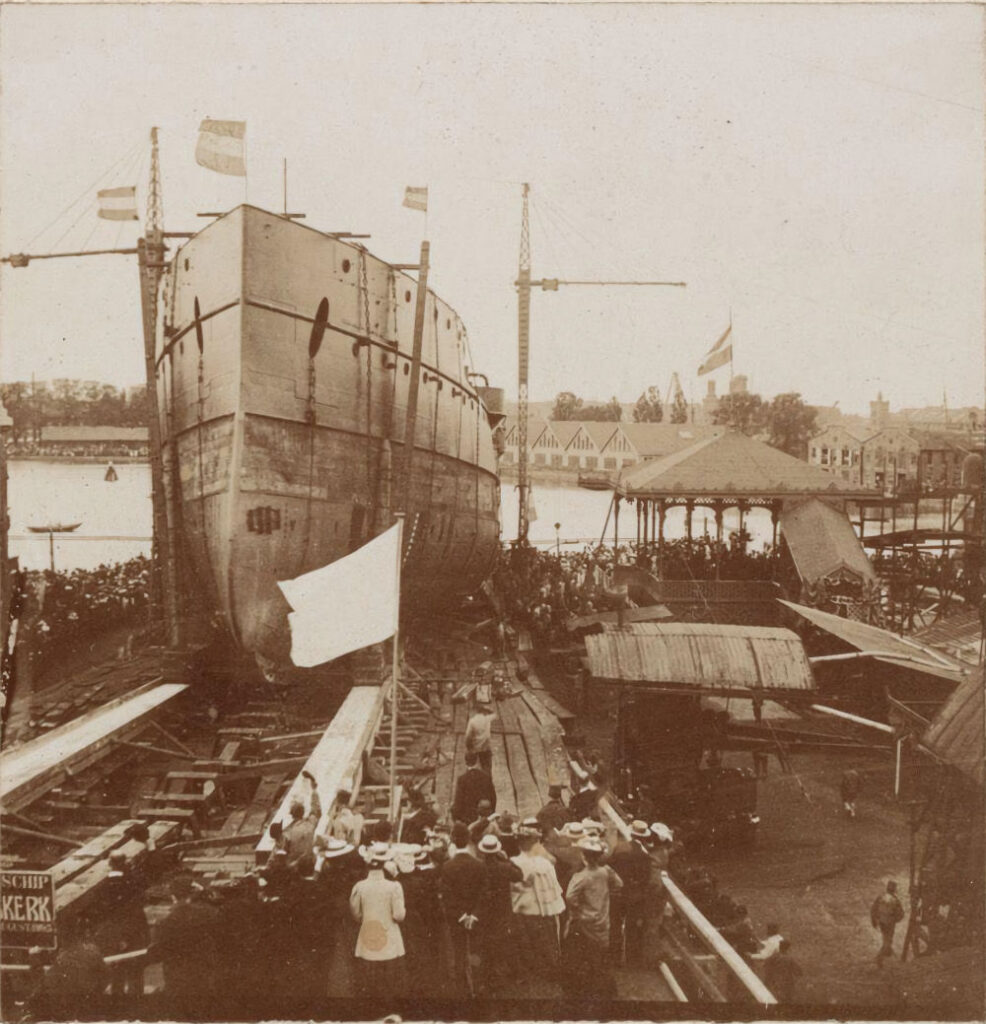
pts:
[221, 147]
[416, 199]
[720, 353]
[117, 203]
[347, 604]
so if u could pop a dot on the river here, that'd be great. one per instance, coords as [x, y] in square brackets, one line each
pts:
[115, 518]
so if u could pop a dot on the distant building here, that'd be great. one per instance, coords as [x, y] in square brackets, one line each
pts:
[941, 459]
[879, 412]
[839, 450]
[890, 460]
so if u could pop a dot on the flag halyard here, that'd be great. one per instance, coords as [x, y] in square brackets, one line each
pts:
[222, 147]
[346, 605]
[117, 203]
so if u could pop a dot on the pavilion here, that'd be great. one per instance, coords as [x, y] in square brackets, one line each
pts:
[728, 470]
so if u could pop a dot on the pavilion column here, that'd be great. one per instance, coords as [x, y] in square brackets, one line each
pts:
[718, 508]
[616, 526]
[775, 515]
[653, 520]
[742, 523]
[662, 512]
[639, 533]
[689, 508]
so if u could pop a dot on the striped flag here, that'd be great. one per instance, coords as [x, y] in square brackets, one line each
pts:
[720, 353]
[221, 147]
[118, 203]
[416, 199]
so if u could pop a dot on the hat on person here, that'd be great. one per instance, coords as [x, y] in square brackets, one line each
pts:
[661, 832]
[332, 847]
[591, 845]
[375, 853]
[591, 825]
[573, 829]
[490, 844]
[118, 863]
[639, 829]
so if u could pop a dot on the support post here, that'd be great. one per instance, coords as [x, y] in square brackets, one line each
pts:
[689, 508]
[395, 678]
[616, 527]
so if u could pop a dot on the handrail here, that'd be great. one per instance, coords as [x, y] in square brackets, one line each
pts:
[711, 937]
[701, 924]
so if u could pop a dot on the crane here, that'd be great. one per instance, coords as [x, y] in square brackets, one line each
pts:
[524, 284]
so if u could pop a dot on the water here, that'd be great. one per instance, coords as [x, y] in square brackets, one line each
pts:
[581, 515]
[115, 517]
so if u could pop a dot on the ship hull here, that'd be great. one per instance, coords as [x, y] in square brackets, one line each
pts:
[286, 450]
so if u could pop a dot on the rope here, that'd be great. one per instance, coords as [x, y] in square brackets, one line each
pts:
[86, 191]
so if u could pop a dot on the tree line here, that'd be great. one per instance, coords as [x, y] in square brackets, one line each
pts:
[784, 422]
[33, 405]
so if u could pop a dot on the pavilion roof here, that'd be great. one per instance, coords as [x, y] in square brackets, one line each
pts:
[732, 465]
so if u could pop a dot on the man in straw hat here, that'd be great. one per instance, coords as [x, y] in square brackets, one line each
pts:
[499, 953]
[587, 942]
[630, 859]
[377, 904]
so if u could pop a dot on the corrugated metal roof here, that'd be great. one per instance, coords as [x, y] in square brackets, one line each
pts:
[700, 655]
[822, 541]
[956, 734]
[863, 637]
[733, 465]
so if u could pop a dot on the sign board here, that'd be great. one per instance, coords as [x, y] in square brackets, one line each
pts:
[27, 910]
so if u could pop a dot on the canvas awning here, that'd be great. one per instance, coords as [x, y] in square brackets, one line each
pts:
[704, 656]
[822, 541]
[881, 643]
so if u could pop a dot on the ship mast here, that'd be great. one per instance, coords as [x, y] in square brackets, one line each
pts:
[150, 260]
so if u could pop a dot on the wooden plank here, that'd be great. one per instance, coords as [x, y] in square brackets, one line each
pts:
[30, 769]
[525, 788]
[460, 718]
[97, 847]
[86, 884]
[537, 758]
[337, 755]
[510, 714]
[506, 799]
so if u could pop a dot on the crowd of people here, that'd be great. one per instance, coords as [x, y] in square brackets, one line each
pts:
[542, 589]
[26, 449]
[74, 607]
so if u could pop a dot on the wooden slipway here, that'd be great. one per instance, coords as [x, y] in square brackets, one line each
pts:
[30, 769]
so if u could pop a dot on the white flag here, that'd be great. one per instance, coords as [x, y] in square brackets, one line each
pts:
[221, 147]
[347, 604]
[416, 199]
[118, 203]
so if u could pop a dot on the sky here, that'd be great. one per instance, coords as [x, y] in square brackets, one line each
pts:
[814, 172]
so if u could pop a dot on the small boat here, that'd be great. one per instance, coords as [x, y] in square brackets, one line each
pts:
[110, 477]
[55, 528]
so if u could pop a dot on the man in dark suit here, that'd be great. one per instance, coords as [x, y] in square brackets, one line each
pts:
[629, 910]
[464, 895]
[472, 786]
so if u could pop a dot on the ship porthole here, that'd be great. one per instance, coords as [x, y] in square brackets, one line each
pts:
[319, 324]
[346, 265]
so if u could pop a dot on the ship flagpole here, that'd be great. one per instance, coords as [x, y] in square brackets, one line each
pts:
[395, 681]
